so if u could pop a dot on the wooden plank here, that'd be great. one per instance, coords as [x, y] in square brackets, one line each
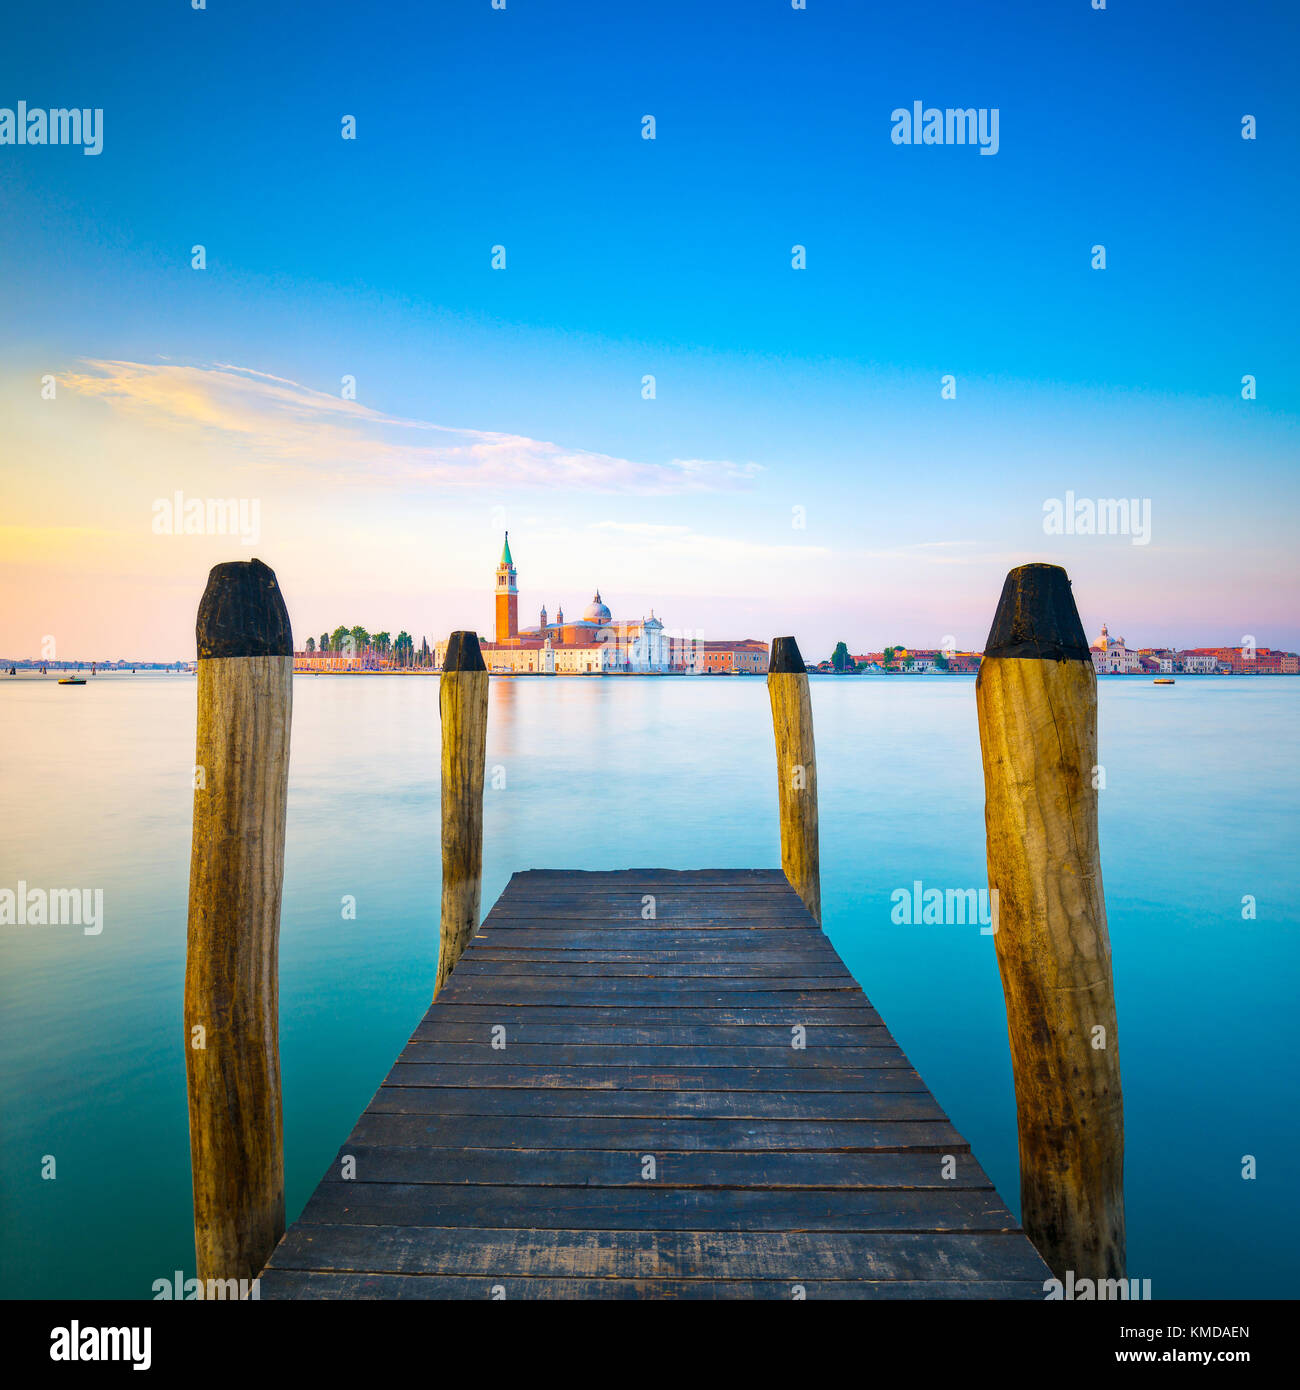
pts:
[478, 1075]
[599, 928]
[651, 1208]
[748, 900]
[651, 902]
[623, 1168]
[650, 899]
[731, 1015]
[598, 877]
[660, 939]
[784, 1107]
[760, 1067]
[661, 994]
[314, 1284]
[648, 912]
[722, 943]
[647, 905]
[647, 987]
[459, 1053]
[489, 968]
[522, 894]
[650, 1135]
[508, 954]
[502, 1253]
[769, 1041]
[647, 1104]
[527, 887]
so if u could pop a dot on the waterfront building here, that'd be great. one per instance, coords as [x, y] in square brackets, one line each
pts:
[593, 645]
[1198, 661]
[744, 658]
[1112, 657]
[1239, 661]
[598, 644]
[1158, 659]
[922, 660]
[329, 663]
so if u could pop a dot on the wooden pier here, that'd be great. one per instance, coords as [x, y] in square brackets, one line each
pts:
[653, 1083]
[697, 1104]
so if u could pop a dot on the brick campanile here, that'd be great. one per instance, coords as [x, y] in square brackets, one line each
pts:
[507, 597]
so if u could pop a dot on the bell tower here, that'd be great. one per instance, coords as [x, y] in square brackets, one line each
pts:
[507, 591]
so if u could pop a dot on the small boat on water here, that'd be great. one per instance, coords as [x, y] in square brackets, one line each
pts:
[1163, 680]
[73, 680]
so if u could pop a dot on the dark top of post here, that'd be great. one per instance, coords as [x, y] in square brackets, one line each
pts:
[242, 613]
[463, 653]
[785, 656]
[1037, 617]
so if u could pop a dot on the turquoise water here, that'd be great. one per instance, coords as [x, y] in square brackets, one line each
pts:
[1201, 807]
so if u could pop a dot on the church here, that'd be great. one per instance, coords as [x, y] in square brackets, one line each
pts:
[594, 644]
[1111, 656]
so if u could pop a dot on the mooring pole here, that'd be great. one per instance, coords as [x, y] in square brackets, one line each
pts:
[1036, 697]
[796, 771]
[463, 704]
[231, 1010]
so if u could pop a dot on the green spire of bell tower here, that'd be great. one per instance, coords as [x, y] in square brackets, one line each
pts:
[505, 554]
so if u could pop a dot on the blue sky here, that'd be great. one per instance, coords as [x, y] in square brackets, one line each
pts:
[817, 388]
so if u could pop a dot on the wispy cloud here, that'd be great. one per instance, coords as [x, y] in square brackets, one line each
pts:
[271, 421]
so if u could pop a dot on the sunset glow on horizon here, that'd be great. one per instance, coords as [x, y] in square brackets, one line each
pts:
[642, 384]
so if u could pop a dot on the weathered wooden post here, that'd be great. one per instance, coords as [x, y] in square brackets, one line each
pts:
[796, 771]
[245, 702]
[1036, 695]
[463, 703]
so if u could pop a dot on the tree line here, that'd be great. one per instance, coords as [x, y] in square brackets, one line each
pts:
[842, 661]
[356, 641]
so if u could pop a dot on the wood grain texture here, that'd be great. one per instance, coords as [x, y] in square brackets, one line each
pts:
[463, 704]
[1038, 736]
[231, 994]
[503, 1252]
[300, 1285]
[796, 782]
[507, 1148]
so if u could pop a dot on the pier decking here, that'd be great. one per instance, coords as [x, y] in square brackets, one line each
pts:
[609, 1099]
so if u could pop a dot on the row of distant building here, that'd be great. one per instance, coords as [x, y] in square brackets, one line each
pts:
[749, 657]
[1111, 656]
[597, 644]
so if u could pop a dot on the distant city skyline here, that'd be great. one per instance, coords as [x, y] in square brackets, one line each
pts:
[305, 641]
[349, 360]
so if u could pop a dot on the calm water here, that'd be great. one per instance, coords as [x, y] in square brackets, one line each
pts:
[1202, 807]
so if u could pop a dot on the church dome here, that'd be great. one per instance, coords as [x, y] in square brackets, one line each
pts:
[597, 612]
